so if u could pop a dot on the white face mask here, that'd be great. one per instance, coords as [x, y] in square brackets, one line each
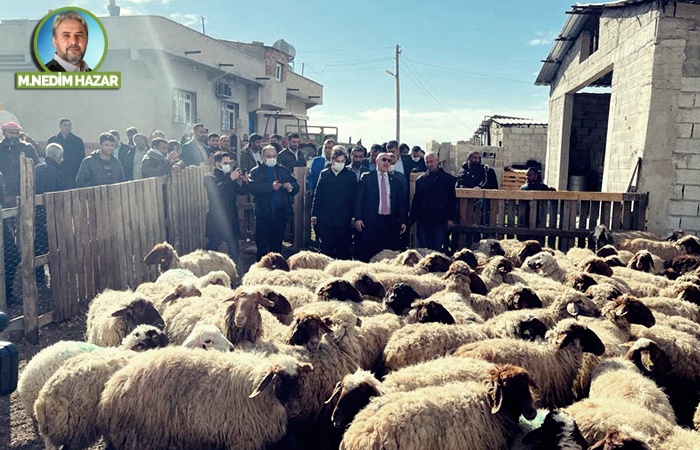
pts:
[226, 168]
[392, 167]
[271, 162]
[415, 158]
[337, 166]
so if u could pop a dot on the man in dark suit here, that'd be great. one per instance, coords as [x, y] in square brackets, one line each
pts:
[379, 225]
[334, 205]
[73, 151]
[291, 157]
[70, 38]
[196, 152]
[273, 187]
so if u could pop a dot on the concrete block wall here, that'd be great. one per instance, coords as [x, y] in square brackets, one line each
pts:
[523, 143]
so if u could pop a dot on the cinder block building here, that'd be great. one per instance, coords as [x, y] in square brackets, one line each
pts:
[520, 139]
[624, 104]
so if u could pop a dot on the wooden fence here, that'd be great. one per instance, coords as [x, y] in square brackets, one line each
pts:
[561, 219]
[98, 236]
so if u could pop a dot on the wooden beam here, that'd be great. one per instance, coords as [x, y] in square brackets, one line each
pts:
[17, 324]
[30, 293]
[498, 194]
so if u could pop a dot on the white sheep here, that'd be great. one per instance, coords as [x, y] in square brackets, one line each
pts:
[233, 400]
[67, 405]
[45, 363]
[436, 372]
[453, 416]
[113, 314]
[339, 267]
[208, 337]
[306, 259]
[308, 278]
[673, 307]
[375, 333]
[199, 262]
[553, 365]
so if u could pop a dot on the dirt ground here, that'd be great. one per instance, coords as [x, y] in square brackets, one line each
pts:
[17, 430]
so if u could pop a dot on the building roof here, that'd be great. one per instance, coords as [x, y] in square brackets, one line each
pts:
[506, 121]
[575, 23]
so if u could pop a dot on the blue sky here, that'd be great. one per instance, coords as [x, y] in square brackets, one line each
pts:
[461, 60]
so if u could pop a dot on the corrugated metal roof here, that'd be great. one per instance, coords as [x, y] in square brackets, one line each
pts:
[506, 121]
[575, 22]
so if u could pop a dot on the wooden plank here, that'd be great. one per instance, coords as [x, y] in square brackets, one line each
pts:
[639, 215]
[202, 209]
[78, 215]
[18, 323]
[616, 221]
[150, 217]
[52, 203]
[498, 215]
[535, 232]
[92, 198]
[627, 215]
[174, 237]
[573, 215]
[155, 220]
[605, 210]
[463, 205]
[87, 198]
[30, 292]
[188, 198]
[3, 298]
[118, 194]
[106, 279]
[9, 213]
[584, 207]
[544, 195]
[532, 219]
[71, 253]
[565, 243]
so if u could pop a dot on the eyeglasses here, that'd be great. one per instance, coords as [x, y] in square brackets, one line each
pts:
[385, 159]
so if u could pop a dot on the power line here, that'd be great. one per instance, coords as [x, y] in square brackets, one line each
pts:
[439, 66]
[325, 66]
[426, 91]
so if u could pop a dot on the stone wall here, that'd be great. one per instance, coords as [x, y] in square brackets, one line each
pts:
[523, 143]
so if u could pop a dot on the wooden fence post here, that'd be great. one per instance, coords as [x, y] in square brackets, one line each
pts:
[301, 228]
[3, 299]
[26, 239]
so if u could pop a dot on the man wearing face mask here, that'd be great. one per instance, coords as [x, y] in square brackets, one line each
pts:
[223, 184]
[273, 187]
[333, 206]
[11, 148]
[417, 161]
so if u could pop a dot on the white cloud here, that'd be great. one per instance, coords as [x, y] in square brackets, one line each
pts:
[539, 41]
[542, 38]
[188, 20]
[417, 127]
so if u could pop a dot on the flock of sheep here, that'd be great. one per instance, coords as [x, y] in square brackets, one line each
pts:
[506, 346]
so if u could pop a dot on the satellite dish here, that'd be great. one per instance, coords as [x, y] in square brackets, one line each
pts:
[285, 47]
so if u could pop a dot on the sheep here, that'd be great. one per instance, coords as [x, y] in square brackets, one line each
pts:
[176, 276]
[547, 265]
[433, 262]
[670, 306]
[527, 248]
[595, 417]
[308, 260]
[208, 337]
[496, 272]
[645, 261]
[558, 431]
[199, 262]
[350, 395]
[45, 363]
[271, 261]
[426, 285]
[681, 265]
[239, 403]
[329, 307]
[340, 267]
[240, 321]
[453, 416]
[614, 261]
[308, 278]
[665, 250]
[375, 332]
[486, 248]
[596, 265]
[602, 236]
[653, 362]
[67, 404]
[338, 289]
[436, 372]
[368, 285]
[467, 256]
[619, 378]
[400, 297]
[607, 250]
[681, 438]
[696, 418]
[113, 314]
[553, 365]
[616, 439]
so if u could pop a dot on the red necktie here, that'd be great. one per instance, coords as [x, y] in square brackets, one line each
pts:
[383, 197]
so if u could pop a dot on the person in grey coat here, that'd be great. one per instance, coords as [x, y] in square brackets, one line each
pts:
[101, 167]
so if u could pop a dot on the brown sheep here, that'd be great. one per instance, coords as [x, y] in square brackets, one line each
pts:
[467, 256]
[273, 261]
[307, 331]
[529, 248]
[434, 262]
[339, 289]
[460, 270]
[597, 266]
[242, 321]
[642, 261]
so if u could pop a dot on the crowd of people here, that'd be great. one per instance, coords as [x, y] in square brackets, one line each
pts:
[359, 199]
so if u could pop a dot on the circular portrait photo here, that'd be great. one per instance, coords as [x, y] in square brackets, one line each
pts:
[70, 40]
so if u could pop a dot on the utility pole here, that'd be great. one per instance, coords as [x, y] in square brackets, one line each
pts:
[398, 97]
[395, 74]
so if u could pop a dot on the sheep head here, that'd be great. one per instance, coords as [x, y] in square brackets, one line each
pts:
[523, 297]
[144, 337]
[400, 297]
[541, 261]
[642, 261]
[559, 430]
[619, 440]
[690, 243]
[581, 282]
[502, 265]
[307, 331]
[434, 262]
[614, 261]
[606, 250]
[428, 311]
[575, 304]
[602, 236]
[282, 309]
[208, 337]
[283, 378]
[510, 392]
[528, 248]
[629, 309]
[649, 358]
[139, 311]
[182, 290]
[339, 289]
[369, 285]
[568, 332]
[351, 395]
[690, 293]
[597, 266]
[680, 265]
[273, 261]
[531, 329]
[409, 258]
[467, 256]
[242, 320]
[162, 254]
[216, 277]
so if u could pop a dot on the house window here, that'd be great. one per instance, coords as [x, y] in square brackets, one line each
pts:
[278, 71]
[184, 106]
[229, 115]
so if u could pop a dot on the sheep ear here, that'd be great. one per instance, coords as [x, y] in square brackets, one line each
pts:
[572, 309]
[231, 299]
[336, 392]
[263, 384]
[647, 361]
[124, 312]
[305, 367]
[496, 395]
[621, 310]
[359, 322]
[591, 343]
[326, 325]
[267, 303]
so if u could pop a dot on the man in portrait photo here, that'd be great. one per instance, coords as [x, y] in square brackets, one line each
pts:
[70, 38]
